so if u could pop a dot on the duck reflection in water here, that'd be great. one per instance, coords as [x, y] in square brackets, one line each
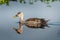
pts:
[31, 22]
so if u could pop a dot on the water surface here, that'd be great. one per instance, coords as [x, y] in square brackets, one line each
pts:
[7, 22]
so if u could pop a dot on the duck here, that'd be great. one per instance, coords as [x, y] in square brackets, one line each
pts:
[30, 22]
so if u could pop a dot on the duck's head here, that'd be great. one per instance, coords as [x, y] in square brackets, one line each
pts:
[19, 14]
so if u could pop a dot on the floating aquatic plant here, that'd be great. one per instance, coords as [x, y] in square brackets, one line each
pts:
[30, 1]
[4, 2]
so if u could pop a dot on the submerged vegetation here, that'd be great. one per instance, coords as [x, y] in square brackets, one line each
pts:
[29, 1]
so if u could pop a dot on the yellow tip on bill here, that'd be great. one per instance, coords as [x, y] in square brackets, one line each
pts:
[14, 16]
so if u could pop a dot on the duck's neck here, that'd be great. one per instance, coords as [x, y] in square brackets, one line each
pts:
[22, 19]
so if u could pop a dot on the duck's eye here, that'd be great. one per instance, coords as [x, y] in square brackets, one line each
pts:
[19, 12]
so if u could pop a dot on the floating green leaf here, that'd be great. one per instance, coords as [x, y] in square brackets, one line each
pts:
[30, 1]
[22, 1]
[7, 2]
[41, 0]
[53, 0]
[4, 2]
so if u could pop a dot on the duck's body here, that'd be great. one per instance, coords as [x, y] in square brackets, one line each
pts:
[35, 23]
[31, 22]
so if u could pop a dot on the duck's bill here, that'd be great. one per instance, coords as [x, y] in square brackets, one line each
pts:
[14, 16]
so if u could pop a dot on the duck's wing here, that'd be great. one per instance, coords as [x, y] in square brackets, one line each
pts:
[32, 19]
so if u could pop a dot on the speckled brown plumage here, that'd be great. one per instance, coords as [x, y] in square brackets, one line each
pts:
[35, 23]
